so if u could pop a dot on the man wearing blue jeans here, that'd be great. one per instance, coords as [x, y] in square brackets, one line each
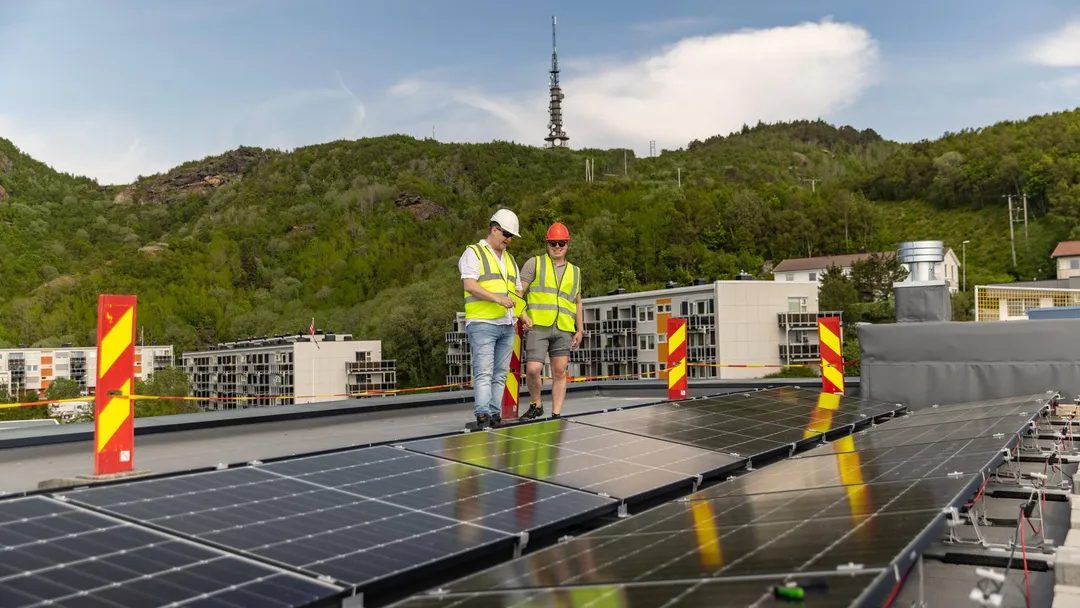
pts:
[492, 308]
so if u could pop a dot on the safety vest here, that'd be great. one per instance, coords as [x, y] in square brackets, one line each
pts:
[549, 301]
[492, 279]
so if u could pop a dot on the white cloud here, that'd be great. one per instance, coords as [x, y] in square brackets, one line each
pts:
[89, 146]
[693, 89]
[1060, 49]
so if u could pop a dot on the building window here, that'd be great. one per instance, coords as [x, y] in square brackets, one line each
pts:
[645, 314]
[796, 304]
[789, 276]
[1074, 264]
[661, 338]
[813, 276]
[646, 342]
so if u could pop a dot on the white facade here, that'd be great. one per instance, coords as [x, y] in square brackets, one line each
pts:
[25, 369]
[288, 369]
[728, 322]
[1068, 267]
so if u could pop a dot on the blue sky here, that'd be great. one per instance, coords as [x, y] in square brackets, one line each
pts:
[119, 88]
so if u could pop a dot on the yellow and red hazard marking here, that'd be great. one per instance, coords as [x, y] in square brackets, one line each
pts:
[832, 360]
[513, 378]
[676, 359]
[114, 428]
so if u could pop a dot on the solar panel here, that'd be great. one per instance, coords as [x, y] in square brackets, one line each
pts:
[850, 506]
[55, 554]
[834, 591]
[747, 424]
[360, 516]
[613, 463]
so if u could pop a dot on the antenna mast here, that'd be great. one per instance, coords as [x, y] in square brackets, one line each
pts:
[557, 138]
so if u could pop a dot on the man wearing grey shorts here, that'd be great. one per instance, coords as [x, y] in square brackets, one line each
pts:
[552, 288]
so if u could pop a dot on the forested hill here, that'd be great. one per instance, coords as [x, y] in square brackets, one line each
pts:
[364, 235]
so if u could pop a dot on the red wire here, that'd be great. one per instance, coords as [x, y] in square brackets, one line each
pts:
[1023, 552]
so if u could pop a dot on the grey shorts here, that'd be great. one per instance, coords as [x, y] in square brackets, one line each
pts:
[541, 342]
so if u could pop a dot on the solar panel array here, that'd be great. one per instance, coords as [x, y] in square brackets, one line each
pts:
[370, 520]
[61, 556]
[842, 521]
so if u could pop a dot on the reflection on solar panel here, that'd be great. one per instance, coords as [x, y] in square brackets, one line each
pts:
[748, 424]
[361, 516]
[617, 464]
[862, 504]
[59, 555]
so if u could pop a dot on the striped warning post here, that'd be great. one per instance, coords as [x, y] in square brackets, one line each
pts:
[832, 358]
[512, 391]
[676, 359]
[114, 427]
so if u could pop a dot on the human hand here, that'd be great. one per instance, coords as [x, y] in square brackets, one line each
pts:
[576, 341]
[505, 301]
[526, 322]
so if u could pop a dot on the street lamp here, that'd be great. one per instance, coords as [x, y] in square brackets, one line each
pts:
[964, 244]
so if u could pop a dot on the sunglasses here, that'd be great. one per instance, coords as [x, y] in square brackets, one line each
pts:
[504, 232]
[558, 243]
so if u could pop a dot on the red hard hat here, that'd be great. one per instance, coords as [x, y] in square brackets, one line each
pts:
[558, 232]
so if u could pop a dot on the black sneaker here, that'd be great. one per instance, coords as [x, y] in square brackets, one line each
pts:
[534, 411]
[496, 420]
[483, 421]
[554, 415]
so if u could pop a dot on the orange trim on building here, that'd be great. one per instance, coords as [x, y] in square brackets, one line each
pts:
[46, 359]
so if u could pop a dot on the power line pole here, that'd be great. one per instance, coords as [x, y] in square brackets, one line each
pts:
[1027, 247]
[624, 163]
[1012, 237]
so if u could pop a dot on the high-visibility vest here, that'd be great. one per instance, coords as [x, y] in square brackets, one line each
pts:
[492, 279]
[551, 300]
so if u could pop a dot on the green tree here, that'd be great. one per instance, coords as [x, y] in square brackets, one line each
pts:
[838, 293]
[167, 382]
[873, 277]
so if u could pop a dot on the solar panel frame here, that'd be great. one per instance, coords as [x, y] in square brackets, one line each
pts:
[982, 452]
[91, 548]
[203, 507]
[758, 425]
[608, 462]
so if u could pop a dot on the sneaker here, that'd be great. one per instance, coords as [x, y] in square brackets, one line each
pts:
[554, 415]
[534, 411]
[483, 421]
[496, 420]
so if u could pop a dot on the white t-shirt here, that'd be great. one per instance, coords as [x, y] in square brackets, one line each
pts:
[469, 266]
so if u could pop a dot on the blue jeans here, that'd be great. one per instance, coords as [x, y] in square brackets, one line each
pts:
[491, 346]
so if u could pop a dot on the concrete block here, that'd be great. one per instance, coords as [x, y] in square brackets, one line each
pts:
[1067, 566]
[1066, 596]
[1067, 590]
[1072, 538]
[87, 480]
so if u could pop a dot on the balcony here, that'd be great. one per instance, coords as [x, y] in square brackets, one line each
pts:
[792, 353]
[700, 322]
[802, 320]
[618, 326]
[701, 353]
[619, 354]
[455, 336]
[353, 367]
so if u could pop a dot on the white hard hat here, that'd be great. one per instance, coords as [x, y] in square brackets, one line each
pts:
[506, 220]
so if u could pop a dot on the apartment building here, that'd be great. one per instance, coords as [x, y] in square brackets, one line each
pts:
[25, 369]
[728, 322]
[283, 370]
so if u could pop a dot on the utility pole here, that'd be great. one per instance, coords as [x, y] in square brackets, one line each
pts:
[624, 163]
[964, 245]
[1027, 247]
[680, 176]
[1012, 236]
